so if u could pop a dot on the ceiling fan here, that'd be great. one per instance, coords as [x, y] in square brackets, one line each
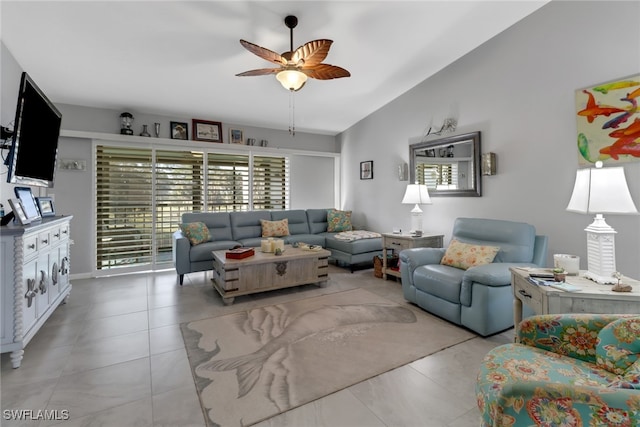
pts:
[296, 65]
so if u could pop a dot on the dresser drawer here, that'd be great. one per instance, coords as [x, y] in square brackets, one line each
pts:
[44, 240]
[30, 245]
[529, 294]
[397, 244]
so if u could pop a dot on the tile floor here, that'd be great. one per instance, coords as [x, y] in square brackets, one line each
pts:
[114, 356]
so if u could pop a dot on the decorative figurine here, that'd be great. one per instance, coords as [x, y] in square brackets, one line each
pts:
[619, 287]
[126, 121]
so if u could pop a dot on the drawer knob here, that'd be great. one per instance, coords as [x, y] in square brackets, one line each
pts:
[45, 241]
[31, 246]
[56, 235]
[396, 243]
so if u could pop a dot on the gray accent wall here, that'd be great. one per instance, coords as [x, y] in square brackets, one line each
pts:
[518, 90]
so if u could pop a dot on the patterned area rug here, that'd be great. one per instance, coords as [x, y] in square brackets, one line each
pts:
[252, 365]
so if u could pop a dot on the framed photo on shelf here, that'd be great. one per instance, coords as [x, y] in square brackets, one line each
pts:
[235, 136]
[28, 202]
[179, 130]
[45, 204]
[205, 130]
[366, 169]
[18, 211]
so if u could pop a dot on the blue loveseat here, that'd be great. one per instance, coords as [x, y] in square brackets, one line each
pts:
[231, 229]
[480, 297]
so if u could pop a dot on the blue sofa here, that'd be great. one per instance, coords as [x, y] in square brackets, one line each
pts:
[231, 229]
[479, 298]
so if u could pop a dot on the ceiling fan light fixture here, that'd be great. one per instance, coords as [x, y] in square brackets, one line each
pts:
[292, 79]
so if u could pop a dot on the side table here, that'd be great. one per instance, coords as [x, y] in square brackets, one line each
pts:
[591, 297]
[398, 242]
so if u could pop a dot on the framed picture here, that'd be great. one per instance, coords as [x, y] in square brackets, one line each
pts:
[179, 130]
[28, 202]
[204, 130]
[235, 136]
[366, 169]
[607, 120]
[45, 204]
[18, 211]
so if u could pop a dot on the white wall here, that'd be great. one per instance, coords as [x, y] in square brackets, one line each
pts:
[518, 90]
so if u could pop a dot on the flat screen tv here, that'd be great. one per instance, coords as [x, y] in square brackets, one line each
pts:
[34, 149]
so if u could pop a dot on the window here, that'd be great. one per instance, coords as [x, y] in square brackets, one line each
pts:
[124, 206]
[439, 175]
[142, 193]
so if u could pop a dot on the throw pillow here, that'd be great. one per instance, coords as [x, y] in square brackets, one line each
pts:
[465, 255]
[275, 228]
[338, 221]
[196, 232]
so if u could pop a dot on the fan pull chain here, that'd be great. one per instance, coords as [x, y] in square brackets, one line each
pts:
[292, 111]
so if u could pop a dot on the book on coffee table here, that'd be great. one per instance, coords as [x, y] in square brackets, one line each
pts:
[239, 253]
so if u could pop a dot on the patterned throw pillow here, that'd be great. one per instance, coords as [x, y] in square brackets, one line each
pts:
[338, 221]
[196, 232]
[465, 255]
[275, 228]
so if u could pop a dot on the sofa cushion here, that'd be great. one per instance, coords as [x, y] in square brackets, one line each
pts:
[203, 252]
[218, 223]
[465, 255]
[317, 219]
[196, 232]
[515, 239]
[355, 246]
[338, 221]
[275, 228]
[618, 345]
[439, 280]
[297, 220]
[246, 225]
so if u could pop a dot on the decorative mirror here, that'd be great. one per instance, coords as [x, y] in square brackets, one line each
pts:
[448, 166]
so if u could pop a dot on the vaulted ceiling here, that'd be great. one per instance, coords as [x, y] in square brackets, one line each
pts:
[180, 58]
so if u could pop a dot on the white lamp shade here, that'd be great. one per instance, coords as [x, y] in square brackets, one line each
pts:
[602, 190]
[416, 194]
[292, 79]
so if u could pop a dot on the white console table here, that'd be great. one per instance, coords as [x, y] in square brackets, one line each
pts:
[35, 279]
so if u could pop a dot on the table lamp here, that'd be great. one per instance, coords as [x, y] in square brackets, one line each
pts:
[419, 195]
[601, 190]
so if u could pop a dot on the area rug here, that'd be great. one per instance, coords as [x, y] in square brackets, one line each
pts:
[252, 365]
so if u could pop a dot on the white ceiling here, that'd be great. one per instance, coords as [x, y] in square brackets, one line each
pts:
[179, 58]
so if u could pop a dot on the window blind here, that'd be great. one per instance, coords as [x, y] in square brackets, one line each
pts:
[228, 182]
[124, 206]
[270, 183]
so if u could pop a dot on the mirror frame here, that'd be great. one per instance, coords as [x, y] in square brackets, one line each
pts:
[474, 138]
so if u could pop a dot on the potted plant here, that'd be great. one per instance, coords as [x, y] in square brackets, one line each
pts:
[559, 274]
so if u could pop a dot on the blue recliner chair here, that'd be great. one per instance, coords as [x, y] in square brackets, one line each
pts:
[479, 298]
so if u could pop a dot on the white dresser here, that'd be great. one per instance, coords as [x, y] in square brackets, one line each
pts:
[35, 279]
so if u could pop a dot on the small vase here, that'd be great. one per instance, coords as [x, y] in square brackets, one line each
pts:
[157, 129]
[145, 131]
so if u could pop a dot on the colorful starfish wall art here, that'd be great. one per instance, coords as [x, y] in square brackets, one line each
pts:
[608, 122]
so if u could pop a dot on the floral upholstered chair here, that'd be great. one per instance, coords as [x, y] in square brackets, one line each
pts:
[565, 370]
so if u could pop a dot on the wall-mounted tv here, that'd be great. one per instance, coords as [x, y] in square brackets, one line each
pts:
[34, 149]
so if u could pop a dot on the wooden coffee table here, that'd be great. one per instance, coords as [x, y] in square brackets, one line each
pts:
[267, 271]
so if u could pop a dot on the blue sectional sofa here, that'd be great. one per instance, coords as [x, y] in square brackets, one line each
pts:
[480, 297]
[231, 229]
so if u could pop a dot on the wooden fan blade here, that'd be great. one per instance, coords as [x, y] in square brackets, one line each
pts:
[313, 52]
[260, 72]
[325, 72]
[264, 53]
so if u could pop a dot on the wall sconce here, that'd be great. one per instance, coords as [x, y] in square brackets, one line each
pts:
[403, 172]
[489, 164]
